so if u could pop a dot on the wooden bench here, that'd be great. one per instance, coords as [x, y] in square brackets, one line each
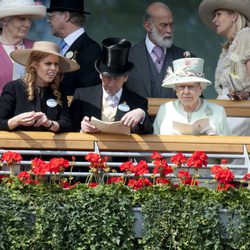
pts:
[232, 108]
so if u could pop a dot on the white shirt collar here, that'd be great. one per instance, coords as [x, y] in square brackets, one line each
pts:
[150, 45]
[73, 36]
[117, 94]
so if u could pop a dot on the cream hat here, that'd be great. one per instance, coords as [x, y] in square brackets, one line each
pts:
[208, 7]
[65, 65]
[186, 70]
[21, 7]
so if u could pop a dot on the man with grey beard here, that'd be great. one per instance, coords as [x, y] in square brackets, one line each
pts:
[154, 54]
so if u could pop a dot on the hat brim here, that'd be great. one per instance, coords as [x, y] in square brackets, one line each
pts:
[36, 11]
[104, 69]
[171, 83]
[21, 56]
[208, 7]
[68, 9]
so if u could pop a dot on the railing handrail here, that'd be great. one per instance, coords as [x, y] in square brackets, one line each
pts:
[134, 142]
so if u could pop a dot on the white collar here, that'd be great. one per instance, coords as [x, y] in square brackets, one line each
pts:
[117, 94]
[73, 36]
[150, 45]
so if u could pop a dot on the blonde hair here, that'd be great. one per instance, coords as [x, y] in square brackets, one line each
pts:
[31, 75]
[240, 23]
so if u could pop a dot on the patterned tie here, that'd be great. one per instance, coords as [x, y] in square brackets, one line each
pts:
[62, 45]
[159, 53]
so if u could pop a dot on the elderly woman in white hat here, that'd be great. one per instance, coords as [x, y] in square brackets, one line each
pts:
[189, 114]
[34, 102]
[15, 22]
[231, 19]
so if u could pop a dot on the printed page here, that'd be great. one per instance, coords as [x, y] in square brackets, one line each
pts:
[194, 128]
[110, 127]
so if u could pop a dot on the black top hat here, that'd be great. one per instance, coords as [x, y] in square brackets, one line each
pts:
[114, 60]
[67, 5]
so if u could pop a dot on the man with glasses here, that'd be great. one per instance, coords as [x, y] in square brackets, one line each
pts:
[67, 20]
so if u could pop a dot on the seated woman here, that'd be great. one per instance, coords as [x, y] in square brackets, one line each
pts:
[189, 114]
[35, 102]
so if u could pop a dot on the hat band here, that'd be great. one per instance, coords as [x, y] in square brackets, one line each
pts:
[183, 73]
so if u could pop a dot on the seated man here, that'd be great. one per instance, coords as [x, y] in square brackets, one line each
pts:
[111, 101]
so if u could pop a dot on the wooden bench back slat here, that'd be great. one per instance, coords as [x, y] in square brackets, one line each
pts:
[232, 108]
[132, 143]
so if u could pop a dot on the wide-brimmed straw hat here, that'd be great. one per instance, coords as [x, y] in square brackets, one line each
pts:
[186, 70]
[21, 56]
[22, 7]
[208, 7]
[114, 59]
[67, 5]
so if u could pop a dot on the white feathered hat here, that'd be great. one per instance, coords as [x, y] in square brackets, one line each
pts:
[22, 7]
[186, 70]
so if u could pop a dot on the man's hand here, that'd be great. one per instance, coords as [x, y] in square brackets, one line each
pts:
[87, 126]
[133, 117]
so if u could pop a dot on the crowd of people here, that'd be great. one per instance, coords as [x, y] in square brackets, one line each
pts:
[112, 81]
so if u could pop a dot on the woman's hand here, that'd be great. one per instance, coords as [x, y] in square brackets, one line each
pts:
[26, 119]
[41, 120]
[239, 95]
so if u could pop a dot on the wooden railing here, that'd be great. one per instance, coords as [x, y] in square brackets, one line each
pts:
[232, 108]
[133, 146]
[130, 143]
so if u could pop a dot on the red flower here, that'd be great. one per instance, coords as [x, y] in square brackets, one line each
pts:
[162, 168]
[128, 167]
[197, 160]
[23, 176]
[246, 177]
[92, 157]
[39, 167]
[163, 181]
[65, 185]
[114, 179]
[222, 175]
[96, 161]
[141, 168]
[139, 183]
[93, 184]
[57, 165]
[178, 159]
[226, 186]
[224, 161]
[156, 156]
[11, 157]
[216, 169]
[182, 174]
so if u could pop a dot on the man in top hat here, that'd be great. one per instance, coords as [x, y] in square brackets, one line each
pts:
[67, 20]
[111, 101]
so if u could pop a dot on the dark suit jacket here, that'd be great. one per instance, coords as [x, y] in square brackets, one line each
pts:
[88, 102]
[139, 79]
[13, 101]
[87, 52]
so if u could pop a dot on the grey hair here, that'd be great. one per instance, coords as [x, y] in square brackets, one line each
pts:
[148, 16]
[77, 19]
